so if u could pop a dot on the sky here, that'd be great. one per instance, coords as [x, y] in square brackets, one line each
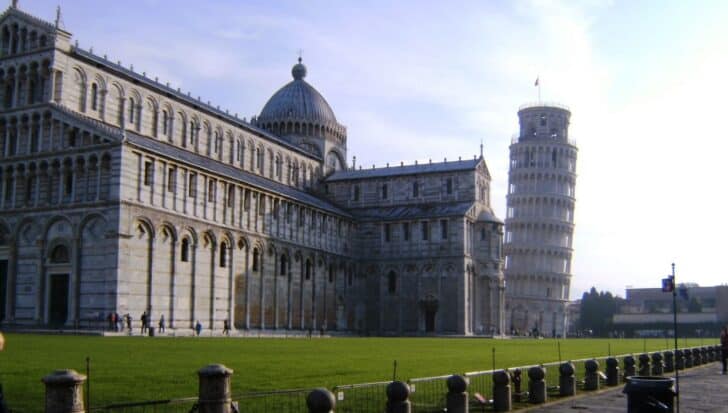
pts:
[646, 82]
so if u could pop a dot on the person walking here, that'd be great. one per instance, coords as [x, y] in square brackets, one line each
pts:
[161, 323]
[198, 327]
[724, 347]
[144, 322]
[128, 322]
[226, 327]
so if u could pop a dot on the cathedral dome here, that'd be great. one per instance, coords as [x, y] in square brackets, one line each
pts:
[298, 100]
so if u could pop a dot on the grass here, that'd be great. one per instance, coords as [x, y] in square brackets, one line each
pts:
[143, 368]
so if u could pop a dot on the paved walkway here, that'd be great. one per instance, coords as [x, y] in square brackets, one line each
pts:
[702, 389]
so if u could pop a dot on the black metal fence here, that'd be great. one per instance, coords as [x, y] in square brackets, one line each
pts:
[427, 394]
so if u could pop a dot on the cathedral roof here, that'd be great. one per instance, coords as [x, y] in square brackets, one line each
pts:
[203, 162]
[298, 100]
[424, 168]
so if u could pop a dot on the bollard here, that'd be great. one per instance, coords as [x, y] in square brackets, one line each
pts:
[214, 391]
[398, 398]
[644, 368]
[629, 370]
[567, 382]
[697, 357]
[679, 360]
[501, 391]
[649, 394]
[711, 355]
[657, 366]
[612, 371]
[591, 376]
[669, 361]
[320, 401]
[704, 355]
[516, 379]
[64, 392]
[457, 394]
[688, 355]
[536, 385]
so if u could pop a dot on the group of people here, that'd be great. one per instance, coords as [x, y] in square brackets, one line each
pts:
[117, 323]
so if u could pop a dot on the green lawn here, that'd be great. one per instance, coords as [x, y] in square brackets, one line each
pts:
[143, 368]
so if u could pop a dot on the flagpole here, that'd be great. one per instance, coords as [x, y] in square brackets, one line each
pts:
[674, 323]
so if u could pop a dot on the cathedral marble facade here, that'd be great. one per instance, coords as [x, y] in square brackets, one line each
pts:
[121, 194]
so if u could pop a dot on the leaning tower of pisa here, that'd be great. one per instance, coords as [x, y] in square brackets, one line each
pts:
[540, 220]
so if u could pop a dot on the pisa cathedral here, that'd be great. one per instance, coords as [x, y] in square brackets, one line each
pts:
[121, 194]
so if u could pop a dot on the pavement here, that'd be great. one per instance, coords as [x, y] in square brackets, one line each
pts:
[703, 389]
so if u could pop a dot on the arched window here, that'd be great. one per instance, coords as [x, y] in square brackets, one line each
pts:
[223, 255]
[256, 259]
[231, 196]
[308, 269]
[185, 250]
[165, 123]
[210, 191]
[192, 133]
[238, 151]
[131, 110]
[284, 265]
[278, 167]
[392, 282]
[94, 96]
[217, 142]
[60, 255]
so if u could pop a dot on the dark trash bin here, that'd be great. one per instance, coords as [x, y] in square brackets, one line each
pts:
[151, 331]
[650, 394]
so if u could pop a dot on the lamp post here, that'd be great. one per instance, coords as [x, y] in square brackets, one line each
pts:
[668, 285]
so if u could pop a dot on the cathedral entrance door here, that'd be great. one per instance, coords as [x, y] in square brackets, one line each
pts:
[3, 287]
[430, 320]
[58, 305]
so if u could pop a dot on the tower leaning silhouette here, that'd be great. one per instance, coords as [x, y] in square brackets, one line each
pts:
[540, 220]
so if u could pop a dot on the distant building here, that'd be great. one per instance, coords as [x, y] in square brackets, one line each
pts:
[648, 311]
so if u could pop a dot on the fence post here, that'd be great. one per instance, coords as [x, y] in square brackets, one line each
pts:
[516, 379]
[697, 357]
[679, 359]
[669, 361]
[501, 391]
[658, 369]
[64, 392]
[398, 398]
[457, 394]
[567, 382]
[536, 385]
[612, 371]
[320, 401]
[591, 375]
[644, 364]
[688, 355]
[629, 369]
[214, 391]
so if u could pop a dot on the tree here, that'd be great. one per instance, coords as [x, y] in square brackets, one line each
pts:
[597, 309]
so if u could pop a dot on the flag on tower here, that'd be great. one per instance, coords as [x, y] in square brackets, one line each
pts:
[536, 82]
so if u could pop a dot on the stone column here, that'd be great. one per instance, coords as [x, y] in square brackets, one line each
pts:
[64, 392]
[591, 376]
[536, 385]
[657, 366]
[644, 359]
[567, 382]
[612, 371]
[320, 401]
[398, 398]
[697, 357]
[457, 394]
[501, 391]
[214, 391]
